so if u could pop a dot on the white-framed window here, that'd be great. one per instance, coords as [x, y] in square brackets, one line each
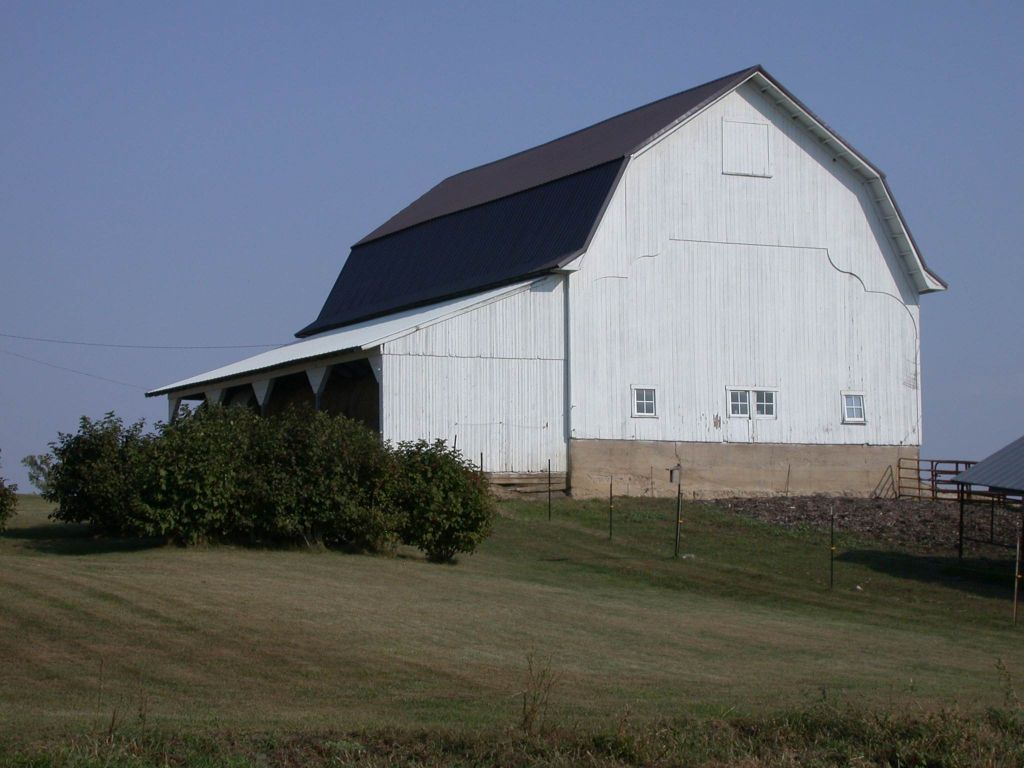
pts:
[739, 403]
[645, 401]
[764, 404]
[853, 408]
[753, 403]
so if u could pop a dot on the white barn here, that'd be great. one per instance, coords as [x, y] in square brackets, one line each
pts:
[716, 279]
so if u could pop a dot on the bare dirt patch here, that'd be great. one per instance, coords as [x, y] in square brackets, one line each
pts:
[908, 524]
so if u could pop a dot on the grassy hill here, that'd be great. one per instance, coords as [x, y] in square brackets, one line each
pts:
[221, 639]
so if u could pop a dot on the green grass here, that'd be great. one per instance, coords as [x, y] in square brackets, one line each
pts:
[210, 640]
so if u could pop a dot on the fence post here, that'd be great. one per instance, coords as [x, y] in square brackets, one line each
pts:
[1016, 568]
[549, 490]
[960, 537]
[610, 481]
[832, 546]
[679, 505]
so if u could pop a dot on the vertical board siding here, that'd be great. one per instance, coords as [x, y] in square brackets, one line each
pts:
[698, 280]
[492, 378]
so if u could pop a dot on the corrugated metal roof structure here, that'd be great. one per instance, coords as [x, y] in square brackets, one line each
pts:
[537, 210]
[1003, 470]
[362, 336]
[610, 139]
[503, 221]
[505, 240]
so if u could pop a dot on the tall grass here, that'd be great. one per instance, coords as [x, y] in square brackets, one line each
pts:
[818, 736]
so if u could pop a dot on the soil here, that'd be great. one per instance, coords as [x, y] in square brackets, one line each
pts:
[907, 524]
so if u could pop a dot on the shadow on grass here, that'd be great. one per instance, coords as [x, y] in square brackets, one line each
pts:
[985, 577]
[71, 539]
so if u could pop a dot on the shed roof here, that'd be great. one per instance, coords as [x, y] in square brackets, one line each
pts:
[1004, 469]
[353, 339]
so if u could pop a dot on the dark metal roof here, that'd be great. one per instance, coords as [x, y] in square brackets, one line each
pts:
[502, 222]
[1004, 469]
[608, 140]
[508, 220]
[500, 242]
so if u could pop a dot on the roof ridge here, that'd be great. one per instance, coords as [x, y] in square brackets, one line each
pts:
[458, 188]
[730, 76]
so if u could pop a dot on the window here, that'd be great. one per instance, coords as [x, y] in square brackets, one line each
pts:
[764, 404]
[739, 403]
[853, 408]
[644, 402]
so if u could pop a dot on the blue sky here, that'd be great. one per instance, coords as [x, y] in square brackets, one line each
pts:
[193, 174]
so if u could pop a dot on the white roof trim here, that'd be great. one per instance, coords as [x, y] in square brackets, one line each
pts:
[899, 233]
[344, 341]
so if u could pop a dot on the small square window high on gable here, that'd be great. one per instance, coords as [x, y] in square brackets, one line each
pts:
[746, 149]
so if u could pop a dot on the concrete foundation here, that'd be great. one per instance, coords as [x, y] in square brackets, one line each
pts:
[716, 470]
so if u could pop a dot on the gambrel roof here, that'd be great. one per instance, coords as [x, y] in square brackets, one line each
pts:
[535, 211]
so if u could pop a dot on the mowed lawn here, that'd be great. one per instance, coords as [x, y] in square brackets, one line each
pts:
[254, 639]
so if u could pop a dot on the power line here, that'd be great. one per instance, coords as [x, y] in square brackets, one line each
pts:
[134, 346]
[70, 370]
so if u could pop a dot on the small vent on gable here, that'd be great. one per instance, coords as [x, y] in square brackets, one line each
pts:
[746, 149]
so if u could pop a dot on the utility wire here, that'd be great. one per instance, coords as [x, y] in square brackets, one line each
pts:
[134, 346]
[70, 370]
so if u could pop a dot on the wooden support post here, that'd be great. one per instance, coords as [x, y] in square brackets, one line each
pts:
[481, 464]
[173, 404]
[317, 378]
[262, 391]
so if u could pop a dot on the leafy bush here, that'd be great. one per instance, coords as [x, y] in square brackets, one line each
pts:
[8, 501]
[95, 475]
[200, 480]
[226, 474]
[324, 479]
[39, 470]
[448, 507]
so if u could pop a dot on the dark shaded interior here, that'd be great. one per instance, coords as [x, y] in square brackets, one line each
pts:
[352, 390]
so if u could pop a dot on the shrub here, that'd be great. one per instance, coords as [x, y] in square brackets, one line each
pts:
[8, 501]
[447, 506]
[324, 479]
[94, 478]
[200, 479]
[226, 474]
[39, 470]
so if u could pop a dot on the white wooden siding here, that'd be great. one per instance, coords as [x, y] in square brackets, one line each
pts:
[494, 378]
[698, 280]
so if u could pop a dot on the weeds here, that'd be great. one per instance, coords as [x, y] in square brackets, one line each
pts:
[1010, 699]
[540, 680]
[816, 736]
